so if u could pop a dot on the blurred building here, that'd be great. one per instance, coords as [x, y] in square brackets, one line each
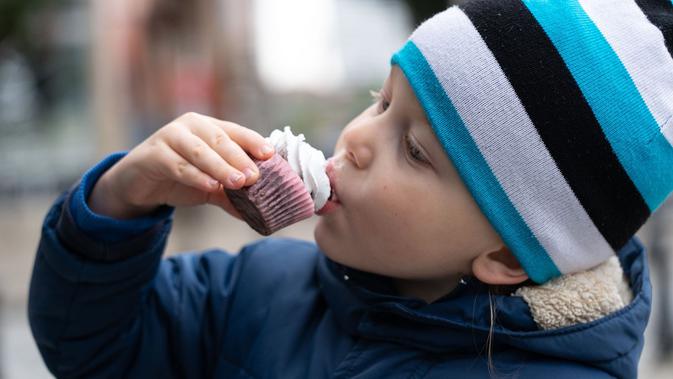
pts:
[43, 97]
[154, 60]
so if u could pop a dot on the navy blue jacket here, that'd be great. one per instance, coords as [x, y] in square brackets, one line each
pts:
[281, 309]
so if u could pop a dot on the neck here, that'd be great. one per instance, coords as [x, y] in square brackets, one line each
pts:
[429, 290]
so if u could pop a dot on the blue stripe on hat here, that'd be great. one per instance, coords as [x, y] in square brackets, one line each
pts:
[492, 199]
[608, 88]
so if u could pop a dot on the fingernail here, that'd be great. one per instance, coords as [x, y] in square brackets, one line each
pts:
[249, 173]
[235, 177]
[266, 149]
[213, 183]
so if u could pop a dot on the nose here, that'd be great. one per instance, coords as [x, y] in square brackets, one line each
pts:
[359, 140]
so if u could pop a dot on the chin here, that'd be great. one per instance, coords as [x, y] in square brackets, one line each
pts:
[328, 242]
[337, 248]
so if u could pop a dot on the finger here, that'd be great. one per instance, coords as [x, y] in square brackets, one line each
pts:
[248, 139]
[180, 170]
[228, 149]
[198, 153]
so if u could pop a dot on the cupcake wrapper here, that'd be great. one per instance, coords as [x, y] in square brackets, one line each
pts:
[276, 200]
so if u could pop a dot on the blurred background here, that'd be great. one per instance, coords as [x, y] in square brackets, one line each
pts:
[80, 79]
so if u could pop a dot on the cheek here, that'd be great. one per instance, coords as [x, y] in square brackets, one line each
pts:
[401, 225]
[422, 230]
[398, 225]
[398, 234]
[374, 228]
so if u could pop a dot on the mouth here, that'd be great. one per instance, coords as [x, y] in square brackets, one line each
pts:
[333, 200]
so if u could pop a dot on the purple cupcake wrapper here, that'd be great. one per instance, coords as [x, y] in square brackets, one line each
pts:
[276, 200]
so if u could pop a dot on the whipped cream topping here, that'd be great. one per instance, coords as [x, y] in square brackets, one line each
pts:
[308, 162]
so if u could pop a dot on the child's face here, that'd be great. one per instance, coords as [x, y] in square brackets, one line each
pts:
[404, 210]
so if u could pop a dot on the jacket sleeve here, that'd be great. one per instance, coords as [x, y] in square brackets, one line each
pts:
[103, 228]
[101, 309]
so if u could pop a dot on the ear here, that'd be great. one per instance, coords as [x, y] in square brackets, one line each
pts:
[498, 267]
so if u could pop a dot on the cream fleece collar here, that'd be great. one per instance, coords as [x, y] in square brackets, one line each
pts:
[579, 297]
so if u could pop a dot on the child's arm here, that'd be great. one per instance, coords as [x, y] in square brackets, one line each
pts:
[102, 303]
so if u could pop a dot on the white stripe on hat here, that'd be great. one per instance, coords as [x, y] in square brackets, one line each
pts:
[493, 113]
[667, 129]
[641, 48]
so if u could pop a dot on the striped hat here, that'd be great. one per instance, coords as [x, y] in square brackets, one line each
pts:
[558, 115]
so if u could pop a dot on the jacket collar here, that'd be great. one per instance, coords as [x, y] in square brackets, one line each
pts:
[366, 305]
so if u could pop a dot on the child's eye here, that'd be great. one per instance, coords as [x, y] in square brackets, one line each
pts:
[381, 99]
[414, 152]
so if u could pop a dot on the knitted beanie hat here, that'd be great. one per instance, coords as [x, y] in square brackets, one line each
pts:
[558, 115]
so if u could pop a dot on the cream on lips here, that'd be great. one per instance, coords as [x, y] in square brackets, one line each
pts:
[308, 162]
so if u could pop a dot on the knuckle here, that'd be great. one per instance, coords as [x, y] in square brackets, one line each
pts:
[181, 169]
[155, 147]
[153, 141]
[173, 127]
[189, 116]
[220, 138]
[198, 150]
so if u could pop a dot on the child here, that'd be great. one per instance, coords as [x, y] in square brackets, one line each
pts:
[512, 140]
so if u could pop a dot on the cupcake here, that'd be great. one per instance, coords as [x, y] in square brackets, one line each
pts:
[292, 185]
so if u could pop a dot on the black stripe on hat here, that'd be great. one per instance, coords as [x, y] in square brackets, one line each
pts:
[561, 115]
[660, 13]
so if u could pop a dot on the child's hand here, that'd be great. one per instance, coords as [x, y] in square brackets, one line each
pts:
[184, 163]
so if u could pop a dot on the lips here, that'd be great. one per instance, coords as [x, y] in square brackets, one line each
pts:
[333, 200]
[329, 170]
